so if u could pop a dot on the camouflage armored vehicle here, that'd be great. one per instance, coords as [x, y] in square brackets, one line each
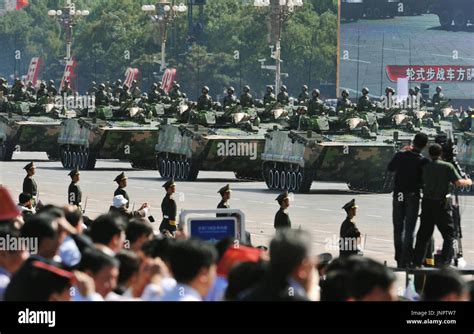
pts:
[29, 127]
[457, 12]
[380, 9]
[104, 136]
[351, 10]
[292, 160]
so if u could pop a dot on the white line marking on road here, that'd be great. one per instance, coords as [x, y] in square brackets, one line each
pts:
[258, 202]
[399, 50]
[375, 216]
[372, 251]
[355, 60]
[384, 240]
[299, 206]
[321, 231]
[451, 56]
[326, 210]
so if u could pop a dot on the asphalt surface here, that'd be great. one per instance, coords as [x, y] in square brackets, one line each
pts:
[403, 40]
[318, 212]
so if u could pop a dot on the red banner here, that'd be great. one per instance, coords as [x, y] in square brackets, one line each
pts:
[130, 75]
[21, 3]
[168, 79]
[69, 73]
[431, 73]
[33, 71]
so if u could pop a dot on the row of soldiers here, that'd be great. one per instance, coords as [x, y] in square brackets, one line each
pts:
[18, 92]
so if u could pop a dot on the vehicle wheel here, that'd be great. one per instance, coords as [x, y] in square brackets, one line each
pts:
[293, 181]
[270, 179]
[276, 178]
[282, 180]
[63, 155]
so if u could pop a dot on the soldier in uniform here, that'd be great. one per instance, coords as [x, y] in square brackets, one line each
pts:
[315, 104]
[135, 90]
[390, 97]
[66, 90]
[52, 91]
[419, 96]
[344, 102]
[118, 89]
[176, 92]
[224, 203]
[153, 95]
[41, 91]
[246, 99]
[282, 220]
[121, 180]
[349, 233]
[31, 89]
[74, 192]
[438, 97]
[29, 183]
[19, 93]
[269, 97]
[3, 87]
[169, 209]
[304, 96]
[93, 89]
[204, 101]
[364, 104]
[125, 95]
[101, 97]
[283, 97]
[230, 99]
[161, 90]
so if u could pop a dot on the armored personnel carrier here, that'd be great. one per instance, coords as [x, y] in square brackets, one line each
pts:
[108, 134]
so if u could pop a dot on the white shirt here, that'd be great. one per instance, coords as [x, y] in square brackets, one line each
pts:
[182, 293]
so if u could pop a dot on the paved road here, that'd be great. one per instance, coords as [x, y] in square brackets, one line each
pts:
[319, 212]
[415, 40]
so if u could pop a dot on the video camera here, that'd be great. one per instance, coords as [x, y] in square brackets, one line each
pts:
[449, 146]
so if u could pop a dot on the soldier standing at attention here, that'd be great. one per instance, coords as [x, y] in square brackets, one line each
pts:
[269, 97]
[349, 234]
[121, 180]
[29, 183]
[74, 192]
[364, 104]
[169, 209]
[282, 220]
[224, 203]
[315, 104]
[204, 101]
[283, 97]
[304, 96]
[246, 99]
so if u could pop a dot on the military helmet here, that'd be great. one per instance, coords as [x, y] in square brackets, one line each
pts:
[2, 80]
[66, 82]
[230, 90]
[389, 90]
[316, 92]
[94, 83]
[345, 93]
[283, 88]
[176, 85]
[154, 85]
[246, 88]
[411, 91]
[102, 86]
[42, 84]
[269, 89]
[439, 89]
[205, 89]
[51, 82]
[144, 96]
[125, 87]
[417, 89]
[30, 83]
[134, 82]
[305, 88]
[118, 81]
[365, 90]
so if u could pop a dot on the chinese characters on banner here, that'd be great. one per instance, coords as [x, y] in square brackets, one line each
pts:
[431, 73]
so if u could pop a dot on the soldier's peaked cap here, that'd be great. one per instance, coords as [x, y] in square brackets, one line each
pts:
[169, 184]
[282, 196]
[224, 189]
[29, 166]
[349, 205]
[75, 171]
[120, 177]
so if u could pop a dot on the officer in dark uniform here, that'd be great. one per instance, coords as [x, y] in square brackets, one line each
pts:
[304, 96]
[125, 95]
[204, 101]
[175, 92]
[41, 91]
[230, 99]
[283, 97]
[438, 97]
[121, 180]
[29, 183]
[282, 220]
[66, 90]
[52, 91]
[315, 104]
[224, 203]
[364, 104]
[349, 234]
[246, 99]
[135, 90]
[269, 97]
[169, 208]
[74, 192]
[344, 102]
[101, 97]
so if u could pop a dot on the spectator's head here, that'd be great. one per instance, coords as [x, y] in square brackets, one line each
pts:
[103, 269]
[193, 262]
[108, 230]
[371, 281]
[335, 286]
[290, 257]
[11, 259]
[45, 229]
[242, 277]
[435, 151]
[119, 202]
[445, 285]
[420, 141]
[137, 233]
[222, 246]
[51, 283]
[129, 268]
[284, 200]
[74, 217]
[25, 200]
[158, 247]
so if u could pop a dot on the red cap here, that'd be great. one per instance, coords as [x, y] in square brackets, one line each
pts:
[235, 255]
[8, 208]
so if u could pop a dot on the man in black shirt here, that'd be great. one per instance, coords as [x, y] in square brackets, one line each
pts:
[169, 209]
[29, 183]
[224, 203]
[282, 220]
[74, 192]
[408, 166]
[349, 233]
[121, 180]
